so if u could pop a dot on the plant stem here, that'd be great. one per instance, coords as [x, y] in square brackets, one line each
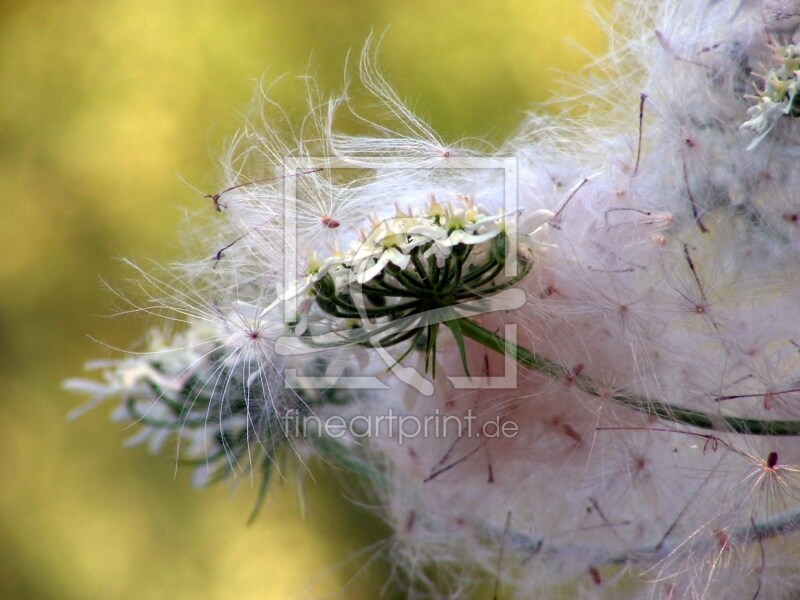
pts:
[657, 408]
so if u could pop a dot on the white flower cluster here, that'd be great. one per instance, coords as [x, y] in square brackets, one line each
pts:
[439, 229]
[216, 390]
[409, 270]
[171, 393]
[778, 96]
[422, 236]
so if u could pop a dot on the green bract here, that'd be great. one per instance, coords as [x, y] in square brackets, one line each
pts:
[404, 279]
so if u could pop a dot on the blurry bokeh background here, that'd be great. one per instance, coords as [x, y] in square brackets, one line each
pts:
[107, 108]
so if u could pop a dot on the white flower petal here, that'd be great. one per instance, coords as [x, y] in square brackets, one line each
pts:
[365, 274]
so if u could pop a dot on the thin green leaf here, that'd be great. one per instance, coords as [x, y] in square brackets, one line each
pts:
[455, 329]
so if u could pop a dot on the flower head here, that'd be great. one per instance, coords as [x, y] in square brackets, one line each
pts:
[404, 276]
[779, 95]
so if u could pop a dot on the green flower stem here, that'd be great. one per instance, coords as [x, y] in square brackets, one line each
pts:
[659, 409]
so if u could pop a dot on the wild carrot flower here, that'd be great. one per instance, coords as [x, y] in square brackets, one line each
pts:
[779, 95]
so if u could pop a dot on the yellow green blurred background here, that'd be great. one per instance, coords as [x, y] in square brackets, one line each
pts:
[107, 109]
